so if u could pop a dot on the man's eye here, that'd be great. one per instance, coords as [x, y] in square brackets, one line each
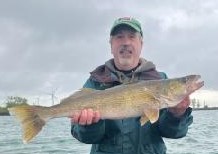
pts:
[132, 36]
[119, 36]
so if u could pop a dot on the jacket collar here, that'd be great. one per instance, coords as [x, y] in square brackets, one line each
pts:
[107, 73]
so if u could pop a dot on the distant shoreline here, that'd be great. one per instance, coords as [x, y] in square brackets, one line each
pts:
[4, 114]
[208, 108]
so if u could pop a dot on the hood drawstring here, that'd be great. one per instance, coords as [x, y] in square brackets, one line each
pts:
[124, 78]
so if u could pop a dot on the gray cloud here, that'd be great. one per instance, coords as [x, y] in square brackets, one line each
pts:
[47, 44]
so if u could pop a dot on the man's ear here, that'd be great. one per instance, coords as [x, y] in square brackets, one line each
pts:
[110, 39]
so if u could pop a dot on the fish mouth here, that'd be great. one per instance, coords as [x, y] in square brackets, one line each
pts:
[193, 83]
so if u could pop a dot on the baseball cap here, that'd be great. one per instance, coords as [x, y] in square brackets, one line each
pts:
[128, 21]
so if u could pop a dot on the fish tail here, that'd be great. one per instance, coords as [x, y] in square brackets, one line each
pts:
[32, 119]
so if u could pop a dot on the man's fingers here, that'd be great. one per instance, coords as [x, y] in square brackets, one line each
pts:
[185, 103]
[96, 117]
[181, 107]
[74, 117]
[83, 117]
[90, 116]
[188, 101]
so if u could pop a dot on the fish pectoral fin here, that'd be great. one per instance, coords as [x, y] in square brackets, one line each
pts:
[166, 98]
[152, 94]
[143, 119]
[152, 114]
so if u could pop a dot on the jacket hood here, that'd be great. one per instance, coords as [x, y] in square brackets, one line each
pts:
[143, 66]
[107, 73]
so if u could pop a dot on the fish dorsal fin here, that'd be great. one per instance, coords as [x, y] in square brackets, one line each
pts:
[86, 90]
[83, 91]
[79, 93]
[152, 114]
[130, 82]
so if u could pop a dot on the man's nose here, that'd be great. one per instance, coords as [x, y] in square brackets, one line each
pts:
[126, 40]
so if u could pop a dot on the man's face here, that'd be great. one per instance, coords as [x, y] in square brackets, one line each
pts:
[126, 46]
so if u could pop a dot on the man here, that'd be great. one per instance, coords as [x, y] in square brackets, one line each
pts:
[127, 136]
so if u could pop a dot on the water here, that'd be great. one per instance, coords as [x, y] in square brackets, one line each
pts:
[202, 137]
[55, 138]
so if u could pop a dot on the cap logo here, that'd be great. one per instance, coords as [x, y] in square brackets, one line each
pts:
[125, 18]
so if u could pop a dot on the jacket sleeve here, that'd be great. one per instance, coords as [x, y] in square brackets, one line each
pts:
[174, 127]
[90, 134]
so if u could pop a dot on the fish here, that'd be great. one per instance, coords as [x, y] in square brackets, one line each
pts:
[142, 99]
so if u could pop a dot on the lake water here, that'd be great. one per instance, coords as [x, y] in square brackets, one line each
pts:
[202, 137]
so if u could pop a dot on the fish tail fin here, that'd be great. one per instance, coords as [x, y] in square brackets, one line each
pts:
[32, 119]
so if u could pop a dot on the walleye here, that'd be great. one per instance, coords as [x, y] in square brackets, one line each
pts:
[140, 99]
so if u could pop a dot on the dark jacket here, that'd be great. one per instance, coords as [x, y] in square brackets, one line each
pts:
[127, 136]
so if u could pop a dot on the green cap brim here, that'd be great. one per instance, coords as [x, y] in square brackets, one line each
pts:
[136, 28]
[131, 22]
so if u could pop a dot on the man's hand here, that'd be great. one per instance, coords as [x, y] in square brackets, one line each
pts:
[180, 109]
[85, 117]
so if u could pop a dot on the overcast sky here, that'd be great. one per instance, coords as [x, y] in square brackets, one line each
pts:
[52, 45]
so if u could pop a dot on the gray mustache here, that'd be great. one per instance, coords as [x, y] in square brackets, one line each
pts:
[126, 48]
